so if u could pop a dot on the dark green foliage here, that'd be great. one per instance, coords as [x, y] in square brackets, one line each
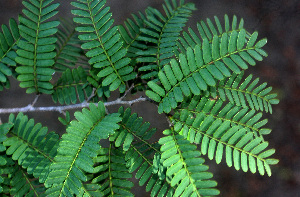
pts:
[113, 174]
[230, 129]
[7, 172]
[5, 167]
[31, 146]
[23, 184]
[8, 41]
[36, 49]
[135, 137]
[130, 33]
[68, 51]
[200, 68]
[78, 148]
[72, 87]
[185, 167]
[208, 30]
[162, 33]
[248, 91]
[101, 91]
[131, 128]
[139, 158]
[103, 43]
[90, 190]
[195, 78]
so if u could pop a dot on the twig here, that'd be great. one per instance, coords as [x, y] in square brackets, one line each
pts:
[92, 95]
[169, 121]
[126, 92]
[35, 100]
[60, 109]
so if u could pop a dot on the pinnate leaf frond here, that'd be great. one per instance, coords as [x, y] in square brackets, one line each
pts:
[103, 43]
[77, 149]
[139, 158]
[112, 172]
[132, 129]
[247, 93]
[185, 167]
[208, 30]
[36, 48]
[141, 155]
[130, 33]
[31, 145]
[162, 32]
[5, 161]
[72, 87]
[235, 131]
[8, 42]
[23, 184]
[201, 67]
[68, 51]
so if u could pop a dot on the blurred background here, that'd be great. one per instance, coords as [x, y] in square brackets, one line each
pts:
[279, 21]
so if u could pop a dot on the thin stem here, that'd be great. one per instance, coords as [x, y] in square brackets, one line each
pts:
[31, 108]
[127, 91]
[35, 100]
[92, 95]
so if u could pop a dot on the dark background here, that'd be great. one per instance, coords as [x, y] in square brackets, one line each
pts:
[279, 21]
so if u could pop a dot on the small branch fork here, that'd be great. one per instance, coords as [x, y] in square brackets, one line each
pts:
[61, 109]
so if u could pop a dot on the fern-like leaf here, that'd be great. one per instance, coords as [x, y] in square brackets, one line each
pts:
[90, 190]
[17, 182]
[240, 93]
[130, 33]
[232, 130]
[6, 172]
[68, 51]
[207, 31]
[23, 184]
[103, 43]
[134, 136]
[131, 127]
[203, 107]
[113, 174]
[36, 49]
[31, 146]
[163, 33]
[8, 42]
[202, 67]
[139, 158]
[72, 87]
[4, 160]
[185, 167]
[77, 149]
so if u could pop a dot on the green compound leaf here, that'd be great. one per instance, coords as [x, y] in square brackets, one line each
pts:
[112, 172]
[72, 87]
[68, 51]
[103, 43]
[230, 129]
[210, 31]
[247, 93]
[8, 42]
[31, 145]
[195, 71]
[131, 129]
[136, 136]
[162, 32]
[185, 167]
[78, 148]
[36, 49]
